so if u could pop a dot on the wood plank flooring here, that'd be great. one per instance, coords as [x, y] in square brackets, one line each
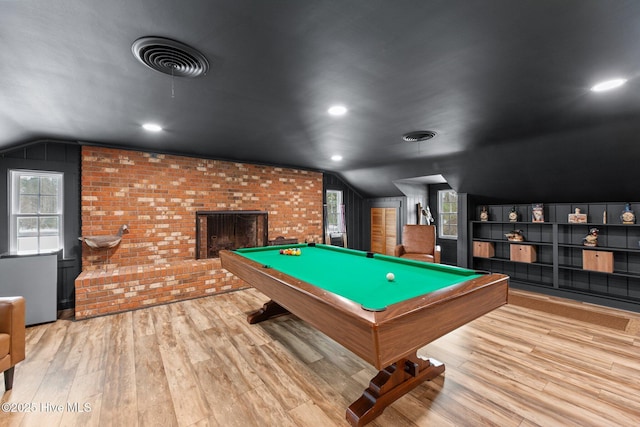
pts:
[198, 363]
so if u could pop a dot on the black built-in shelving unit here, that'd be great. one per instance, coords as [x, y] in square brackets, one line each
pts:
[558, 269]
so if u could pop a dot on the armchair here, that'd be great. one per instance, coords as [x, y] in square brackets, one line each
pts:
[12, 336]
[419, 243]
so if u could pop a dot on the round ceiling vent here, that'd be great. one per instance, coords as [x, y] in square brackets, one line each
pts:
[418, 135]
[170, 57]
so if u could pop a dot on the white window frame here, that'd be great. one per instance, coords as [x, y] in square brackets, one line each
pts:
[444, 216]
[15, 215]
[339, 226]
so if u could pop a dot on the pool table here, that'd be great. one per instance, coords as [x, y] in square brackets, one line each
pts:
[346, 294]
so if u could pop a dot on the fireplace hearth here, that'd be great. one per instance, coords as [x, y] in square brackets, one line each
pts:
[228, 230]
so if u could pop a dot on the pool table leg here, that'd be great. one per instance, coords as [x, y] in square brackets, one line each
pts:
[389, 385]
[269, 309]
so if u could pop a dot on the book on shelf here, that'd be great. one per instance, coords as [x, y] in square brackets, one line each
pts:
[537, 212]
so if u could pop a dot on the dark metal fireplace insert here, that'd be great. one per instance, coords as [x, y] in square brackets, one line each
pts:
[218, 230]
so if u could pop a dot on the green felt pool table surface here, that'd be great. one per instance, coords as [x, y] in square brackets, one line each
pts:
[360, 276]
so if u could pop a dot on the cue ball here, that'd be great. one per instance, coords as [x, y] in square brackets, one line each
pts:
[390, 277]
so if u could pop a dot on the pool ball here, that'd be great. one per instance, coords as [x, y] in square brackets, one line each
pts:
[390, 277]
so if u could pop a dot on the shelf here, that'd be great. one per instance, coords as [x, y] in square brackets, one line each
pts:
[596, 248]
[560, 252]
[572, 224]
[615, 273]
[515, 223]
[540, 264]
[526, 242]
[595, 224]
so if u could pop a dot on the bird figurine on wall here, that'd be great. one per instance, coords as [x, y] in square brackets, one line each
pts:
[591, 239]
[105, 242]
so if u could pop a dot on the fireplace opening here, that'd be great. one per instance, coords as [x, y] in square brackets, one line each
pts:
[228, 230]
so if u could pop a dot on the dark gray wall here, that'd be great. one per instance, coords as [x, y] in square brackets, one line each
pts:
[415, 193]
[354, 210]
[406, 215]
[58, 157]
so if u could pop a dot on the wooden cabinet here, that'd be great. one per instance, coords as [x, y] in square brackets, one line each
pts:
[384, 230]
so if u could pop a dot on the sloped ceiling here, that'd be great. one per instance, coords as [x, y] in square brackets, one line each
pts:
[503, 83]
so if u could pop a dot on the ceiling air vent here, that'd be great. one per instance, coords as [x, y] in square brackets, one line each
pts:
[419, 135]
[170, 57]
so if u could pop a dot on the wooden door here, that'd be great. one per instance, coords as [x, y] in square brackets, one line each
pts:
[377, 230]
[384, 230]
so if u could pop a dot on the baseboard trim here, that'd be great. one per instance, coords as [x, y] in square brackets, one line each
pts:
[620, 320]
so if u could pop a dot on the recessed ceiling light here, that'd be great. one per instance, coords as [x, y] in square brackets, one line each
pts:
[336, 157]
[608, 85]
[152, 127]
[337, 110]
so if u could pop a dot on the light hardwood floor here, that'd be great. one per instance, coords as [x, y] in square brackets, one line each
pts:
[198, 363]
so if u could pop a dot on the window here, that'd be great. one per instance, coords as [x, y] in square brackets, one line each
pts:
[448, 214]
[35, 223]
[335, 227]
[334, 212]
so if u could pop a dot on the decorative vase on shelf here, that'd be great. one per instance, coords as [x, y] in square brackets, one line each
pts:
[627, 216]
[513, 215]
[484, 215]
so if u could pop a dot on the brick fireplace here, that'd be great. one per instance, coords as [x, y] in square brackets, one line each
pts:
[229, 230]
[158, 196]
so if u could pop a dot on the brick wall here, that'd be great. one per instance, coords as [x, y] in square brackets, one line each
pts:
[157, 197]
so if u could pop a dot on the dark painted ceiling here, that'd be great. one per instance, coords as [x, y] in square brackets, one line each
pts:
[504, 83]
